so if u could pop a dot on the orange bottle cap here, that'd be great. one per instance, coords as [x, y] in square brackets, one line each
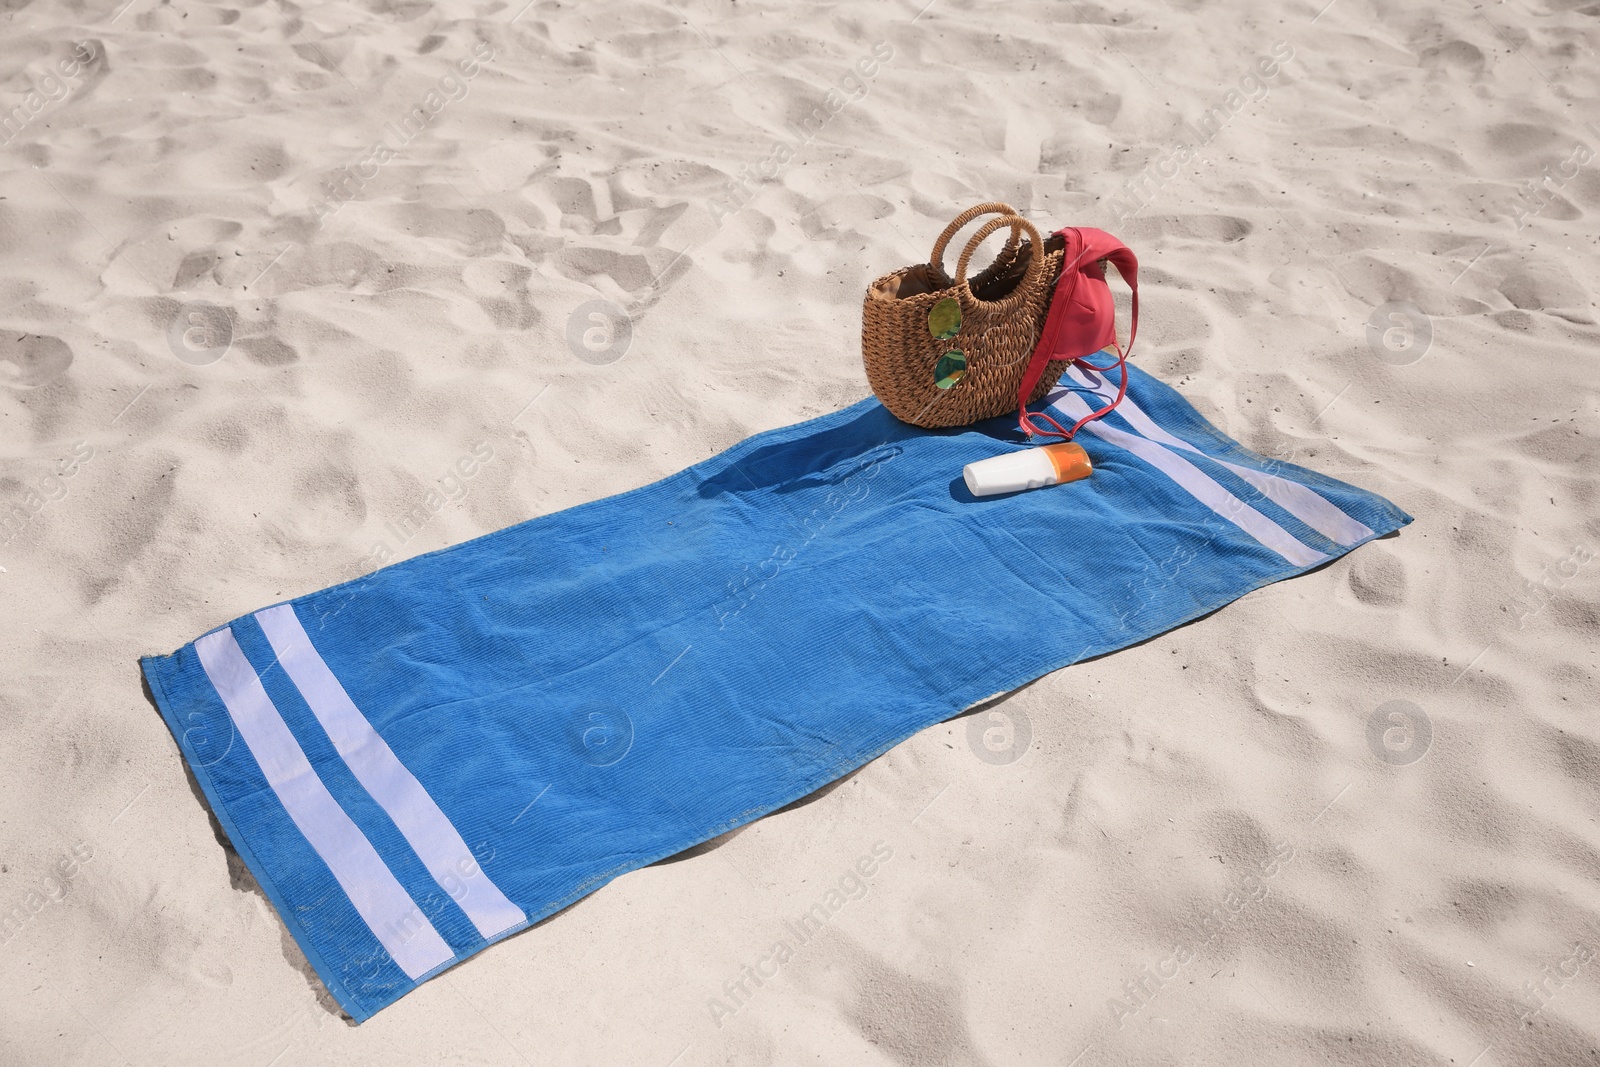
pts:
[1070, 461]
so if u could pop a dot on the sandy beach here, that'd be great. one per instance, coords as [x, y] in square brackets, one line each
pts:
[291, 292]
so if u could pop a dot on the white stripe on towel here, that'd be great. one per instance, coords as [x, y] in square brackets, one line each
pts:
[1200, 485]
[429, 832]
[380, 900]
[1305, 504]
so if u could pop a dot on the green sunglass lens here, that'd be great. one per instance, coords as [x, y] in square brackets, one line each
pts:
[950, 369]
[944, 321]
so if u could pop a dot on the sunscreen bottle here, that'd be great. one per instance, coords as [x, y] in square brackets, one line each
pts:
[1030, 468]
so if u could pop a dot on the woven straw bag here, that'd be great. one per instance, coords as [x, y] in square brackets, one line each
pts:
[928, 375]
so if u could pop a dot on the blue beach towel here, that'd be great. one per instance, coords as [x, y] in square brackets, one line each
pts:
[425, 760]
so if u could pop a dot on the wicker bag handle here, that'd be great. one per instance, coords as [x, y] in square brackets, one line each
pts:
[993, 207]
[1030, 276]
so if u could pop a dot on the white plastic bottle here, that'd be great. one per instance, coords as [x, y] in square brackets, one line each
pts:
[1030, 468]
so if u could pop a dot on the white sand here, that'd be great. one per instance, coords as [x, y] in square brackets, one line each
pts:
[1412, 905]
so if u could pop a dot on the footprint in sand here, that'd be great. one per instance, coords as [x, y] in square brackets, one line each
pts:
[268, 351]
[1453, 55]
[1378, 579]
[29, 360]
[1213, 229]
